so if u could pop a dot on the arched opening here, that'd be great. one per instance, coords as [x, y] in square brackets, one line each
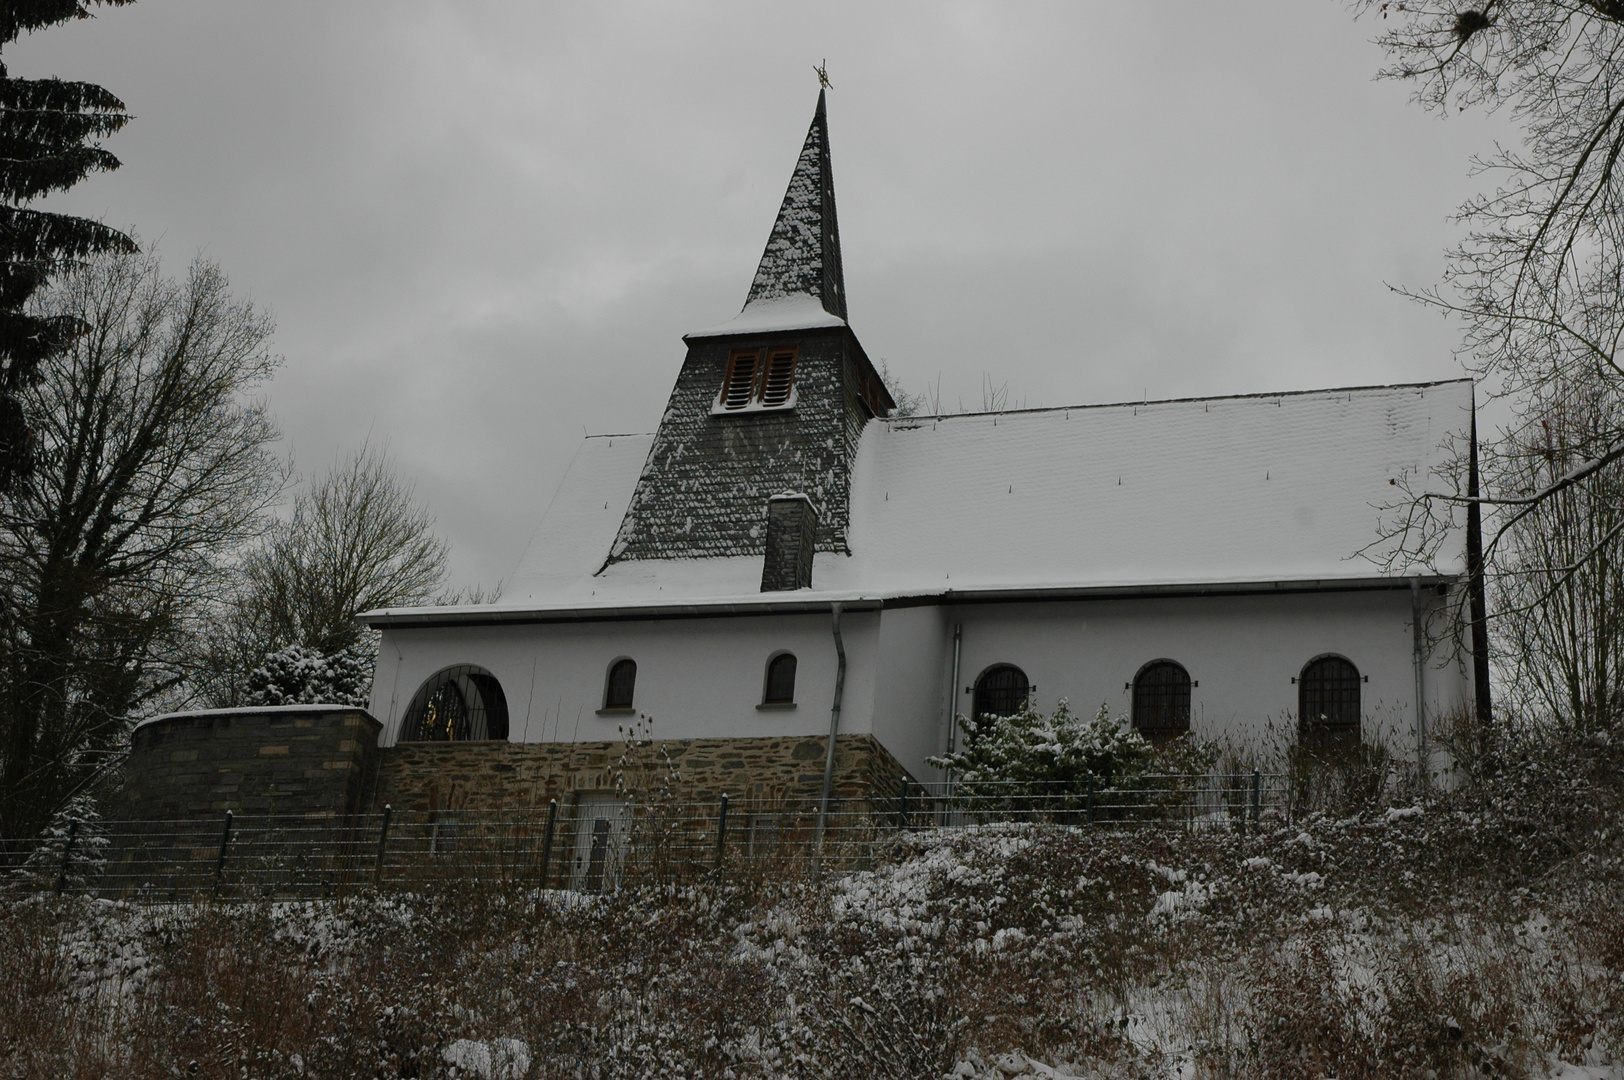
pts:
[1328, 702]
[1002, 690]
[780, 688]
[459, 704]
[620, 684]
[1161, 700]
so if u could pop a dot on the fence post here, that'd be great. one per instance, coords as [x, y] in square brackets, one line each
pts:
[547, 839]
[1257, 796]
[1232, 786]
[1089, 806]
[383, 842]
[220, 863]
[721, 831]
[67, 856]
[902, 806]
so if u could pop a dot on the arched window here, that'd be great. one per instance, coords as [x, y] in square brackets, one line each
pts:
[617, 691]
[780, 688]
[457, 704]
[1328, 701]
[1001, 691]
[1161, 700]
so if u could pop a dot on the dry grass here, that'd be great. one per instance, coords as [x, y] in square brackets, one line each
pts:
[1479, 936]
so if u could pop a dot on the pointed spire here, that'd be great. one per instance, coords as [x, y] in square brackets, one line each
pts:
[803, 252]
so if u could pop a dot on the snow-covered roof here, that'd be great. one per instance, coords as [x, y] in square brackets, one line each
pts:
[1260, 489]
[767, 316]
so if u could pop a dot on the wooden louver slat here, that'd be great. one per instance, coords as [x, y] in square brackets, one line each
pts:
[741, 379]
[779, 378]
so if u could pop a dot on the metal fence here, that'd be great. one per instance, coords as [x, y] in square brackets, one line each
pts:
[590, 844]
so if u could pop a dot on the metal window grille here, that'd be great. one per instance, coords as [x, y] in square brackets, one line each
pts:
[740, 385]
[1328, 700]
[458, 704]
[779, 378]
[780, 680]
[1161, 699]
[1001, 691]
[622, 681]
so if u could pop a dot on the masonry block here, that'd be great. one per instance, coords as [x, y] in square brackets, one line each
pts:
[200, 764]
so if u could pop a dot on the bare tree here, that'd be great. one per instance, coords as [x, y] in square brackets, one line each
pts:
[1538, 283]
[1560, 582]
[357, 539]
[153, 467]
[1539, 279]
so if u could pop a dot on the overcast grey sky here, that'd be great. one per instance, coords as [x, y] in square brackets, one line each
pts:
[483, 227]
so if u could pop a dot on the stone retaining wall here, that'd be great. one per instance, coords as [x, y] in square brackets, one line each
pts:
[304, 760]
[497, 775]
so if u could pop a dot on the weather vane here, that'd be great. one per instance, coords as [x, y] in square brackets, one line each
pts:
[823, 75]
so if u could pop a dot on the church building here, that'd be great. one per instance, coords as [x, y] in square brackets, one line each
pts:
[784, 555]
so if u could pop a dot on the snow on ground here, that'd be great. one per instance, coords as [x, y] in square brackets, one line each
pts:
[1150, 950]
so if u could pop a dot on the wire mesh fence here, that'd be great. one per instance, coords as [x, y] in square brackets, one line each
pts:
[589, 844]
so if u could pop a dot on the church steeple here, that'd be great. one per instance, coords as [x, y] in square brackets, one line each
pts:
[754, 452]
[802, 257]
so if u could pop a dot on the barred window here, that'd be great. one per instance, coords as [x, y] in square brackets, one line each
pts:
[1002, 690]
[621, 682]
[1328, 701]
[456, 705]
[1161, 700]
[780, 680]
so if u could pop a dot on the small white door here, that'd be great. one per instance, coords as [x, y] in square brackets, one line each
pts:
[600, 831]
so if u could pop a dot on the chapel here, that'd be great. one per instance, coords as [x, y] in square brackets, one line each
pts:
[781, 558]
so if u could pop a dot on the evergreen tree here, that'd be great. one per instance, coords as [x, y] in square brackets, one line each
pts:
[48, 133]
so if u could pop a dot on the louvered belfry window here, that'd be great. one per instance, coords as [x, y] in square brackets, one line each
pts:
[740, 388]
[779, 377]
[752, 382]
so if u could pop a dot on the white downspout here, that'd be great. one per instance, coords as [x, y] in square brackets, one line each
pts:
[834, 731]
[1420, 662]
[953, 700]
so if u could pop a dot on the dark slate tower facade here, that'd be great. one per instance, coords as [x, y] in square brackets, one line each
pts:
[770, 404]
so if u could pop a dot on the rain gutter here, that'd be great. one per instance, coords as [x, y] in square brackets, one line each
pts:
[481, 616]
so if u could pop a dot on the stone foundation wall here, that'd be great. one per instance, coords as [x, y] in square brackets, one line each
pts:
[497, 775]
[305, 760]
[324, 761]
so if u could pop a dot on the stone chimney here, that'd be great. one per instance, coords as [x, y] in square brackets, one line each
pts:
[792, 533]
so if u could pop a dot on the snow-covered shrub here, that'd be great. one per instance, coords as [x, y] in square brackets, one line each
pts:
[301, 675]
[1050, 753]
[72, 850]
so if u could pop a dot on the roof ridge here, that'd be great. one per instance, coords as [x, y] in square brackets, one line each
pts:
[1181, 400]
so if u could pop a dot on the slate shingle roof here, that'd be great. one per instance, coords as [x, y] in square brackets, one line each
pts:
[802, 257]
[1271, 488]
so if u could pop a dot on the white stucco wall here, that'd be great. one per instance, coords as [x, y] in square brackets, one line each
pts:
[910, 702]
[703, 678]
[1242, 651]
[696, 678]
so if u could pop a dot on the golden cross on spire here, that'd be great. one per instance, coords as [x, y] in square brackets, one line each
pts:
[823, 75]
